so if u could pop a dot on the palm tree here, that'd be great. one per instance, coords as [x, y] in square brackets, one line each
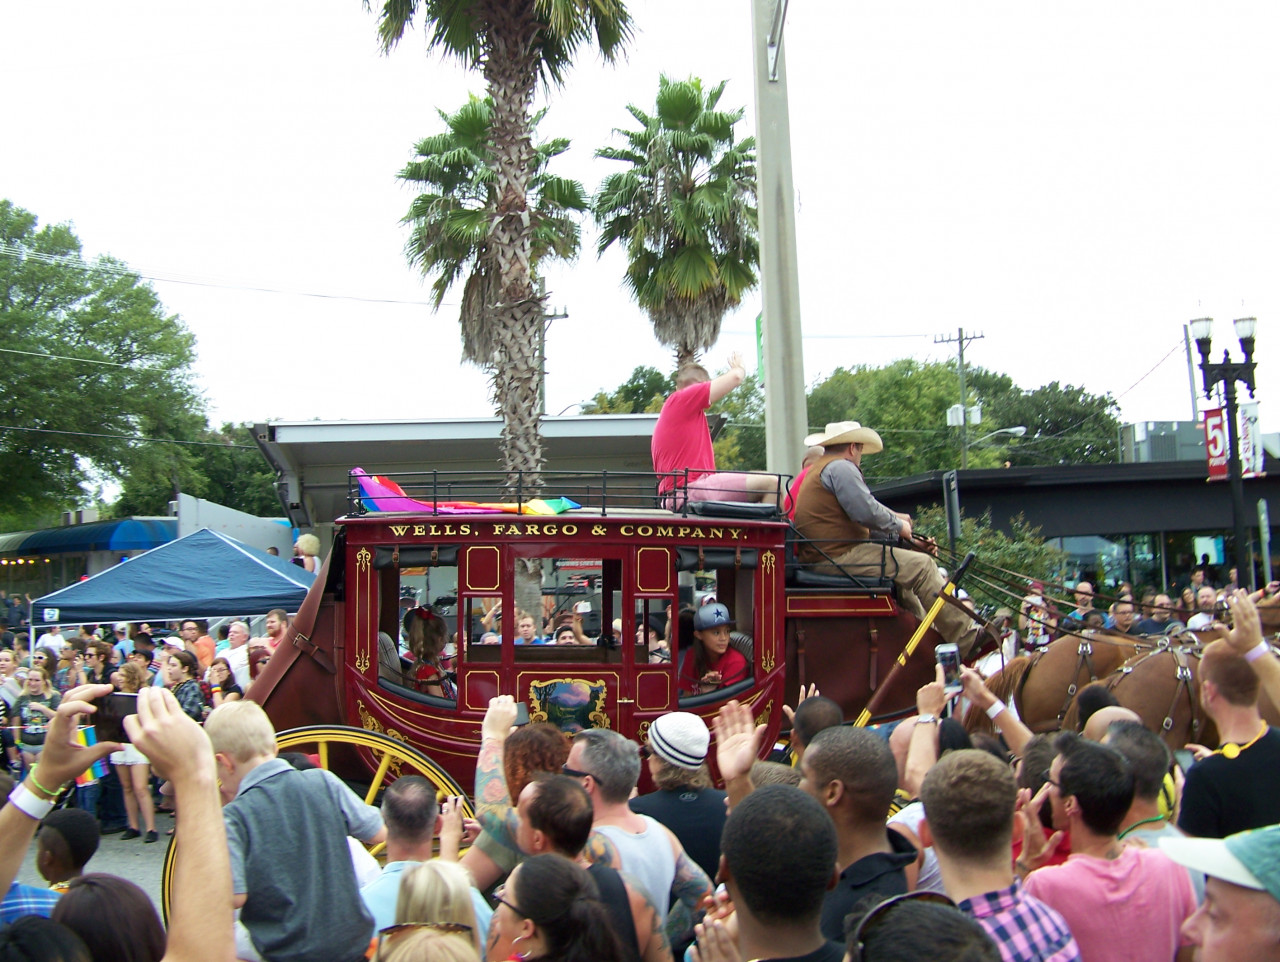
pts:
[451, 219]
[514, 42]
[685, 211]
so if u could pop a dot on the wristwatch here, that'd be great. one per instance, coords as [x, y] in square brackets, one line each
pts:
[927, 720]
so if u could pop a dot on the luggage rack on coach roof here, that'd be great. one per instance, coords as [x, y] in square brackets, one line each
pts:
[459, 492]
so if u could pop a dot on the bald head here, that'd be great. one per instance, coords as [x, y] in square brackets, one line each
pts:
[1096, 727]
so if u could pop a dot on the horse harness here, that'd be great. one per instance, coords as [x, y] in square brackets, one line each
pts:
[1182, 673]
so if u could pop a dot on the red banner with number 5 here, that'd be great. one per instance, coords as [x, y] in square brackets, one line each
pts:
[1215, 443]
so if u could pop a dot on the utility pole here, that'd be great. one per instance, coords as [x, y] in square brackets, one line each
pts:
[786, 420]
[961, 338]
[542, 344]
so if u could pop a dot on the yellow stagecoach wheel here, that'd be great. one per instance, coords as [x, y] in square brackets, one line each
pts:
[336, 745]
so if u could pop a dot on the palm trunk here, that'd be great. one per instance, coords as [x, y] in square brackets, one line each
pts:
[511, 72]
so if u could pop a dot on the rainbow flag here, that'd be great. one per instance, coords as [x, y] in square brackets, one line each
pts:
[87, 736]
[379, 493]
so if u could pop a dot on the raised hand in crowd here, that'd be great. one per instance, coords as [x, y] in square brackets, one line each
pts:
[1246, 638]
[790, 712]
[1016, 735]
[738, 741]
[1036, 848]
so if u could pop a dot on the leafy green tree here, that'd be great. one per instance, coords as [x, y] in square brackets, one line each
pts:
[642, 393]
[513, 44]
[1017, 547]
[907, 402]
[684, 210]
[223, 466]
[93, 363]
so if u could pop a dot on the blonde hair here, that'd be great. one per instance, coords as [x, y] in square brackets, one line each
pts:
[691, 373]
[309, 544]
[437, 891]
[133, 677]
[241, 729]
[429, 944]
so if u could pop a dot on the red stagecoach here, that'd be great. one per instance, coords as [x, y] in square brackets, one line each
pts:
[437, 538]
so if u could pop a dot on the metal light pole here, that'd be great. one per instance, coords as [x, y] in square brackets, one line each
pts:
[1227, 373]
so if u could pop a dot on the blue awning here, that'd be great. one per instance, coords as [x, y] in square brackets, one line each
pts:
[129, 534]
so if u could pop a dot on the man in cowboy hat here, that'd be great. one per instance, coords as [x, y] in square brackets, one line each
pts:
[842, 524]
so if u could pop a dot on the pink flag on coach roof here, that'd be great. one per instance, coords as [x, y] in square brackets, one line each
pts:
[1215, 443]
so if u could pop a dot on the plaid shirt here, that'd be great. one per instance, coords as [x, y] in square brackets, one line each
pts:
[1023, 927]
[26, 900]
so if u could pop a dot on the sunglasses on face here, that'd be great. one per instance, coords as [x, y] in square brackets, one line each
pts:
[499, 896]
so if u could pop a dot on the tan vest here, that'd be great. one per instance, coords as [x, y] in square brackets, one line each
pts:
[819, 517]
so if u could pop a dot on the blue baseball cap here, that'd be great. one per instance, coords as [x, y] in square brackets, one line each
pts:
[711, 616]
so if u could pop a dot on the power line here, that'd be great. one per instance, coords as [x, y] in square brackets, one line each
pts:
[63, 357]
[77, 262]
[130, 437]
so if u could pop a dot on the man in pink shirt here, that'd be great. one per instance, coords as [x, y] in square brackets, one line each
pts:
[682, 442]
[1120, 901]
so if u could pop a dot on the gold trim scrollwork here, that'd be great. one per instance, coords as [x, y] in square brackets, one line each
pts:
[763, 717]
[642, 733]
[362, 661]
[767, 660]
[766, 562]
[367, 721]
[363, 557]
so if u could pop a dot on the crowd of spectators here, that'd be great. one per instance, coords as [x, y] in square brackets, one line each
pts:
[913, 841]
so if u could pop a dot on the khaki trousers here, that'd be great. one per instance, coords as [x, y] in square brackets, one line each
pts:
[919, 583]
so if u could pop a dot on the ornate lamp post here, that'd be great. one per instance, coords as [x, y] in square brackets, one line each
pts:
[1227, 373]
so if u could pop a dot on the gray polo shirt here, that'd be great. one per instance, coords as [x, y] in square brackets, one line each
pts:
[287, 831]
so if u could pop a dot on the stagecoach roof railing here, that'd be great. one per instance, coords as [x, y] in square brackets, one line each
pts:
[440, 492]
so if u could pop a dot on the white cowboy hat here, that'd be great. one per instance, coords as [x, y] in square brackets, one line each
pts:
[847, 432]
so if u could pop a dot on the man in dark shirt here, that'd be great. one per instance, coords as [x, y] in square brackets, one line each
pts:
[1161, 619]
[852, 774]
[779, 850]
[1238, 786]
[685, 802]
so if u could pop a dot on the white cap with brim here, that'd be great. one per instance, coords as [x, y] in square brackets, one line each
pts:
[846, 432]
[1249, 859]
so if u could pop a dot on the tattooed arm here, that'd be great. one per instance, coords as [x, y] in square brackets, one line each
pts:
[650, 934]
[690, 887]
[493, 801]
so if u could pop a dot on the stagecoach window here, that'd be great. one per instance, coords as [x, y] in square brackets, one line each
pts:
[409, 577]
[728, 579]
[573, 616]
[652, 630]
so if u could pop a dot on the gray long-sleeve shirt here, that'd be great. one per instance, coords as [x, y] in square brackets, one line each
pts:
[844, 480]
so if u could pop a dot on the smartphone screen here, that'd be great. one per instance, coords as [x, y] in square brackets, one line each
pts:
[108, 720]
[949, 658]
[1184, 758]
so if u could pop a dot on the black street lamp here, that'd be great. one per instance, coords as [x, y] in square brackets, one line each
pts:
[1227, 373]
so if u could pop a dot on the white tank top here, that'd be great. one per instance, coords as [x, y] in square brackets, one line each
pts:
[646, 857]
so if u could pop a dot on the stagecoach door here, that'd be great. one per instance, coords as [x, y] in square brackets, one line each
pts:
[573, 686]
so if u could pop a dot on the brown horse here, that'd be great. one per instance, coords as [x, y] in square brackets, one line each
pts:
[1042, 687]
[1161, 686]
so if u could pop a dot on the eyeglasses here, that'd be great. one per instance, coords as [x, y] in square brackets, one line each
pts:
[645, 751]
[1046, 777]
[877, 916]
[499, 896]
[393, 932]
[574, 772]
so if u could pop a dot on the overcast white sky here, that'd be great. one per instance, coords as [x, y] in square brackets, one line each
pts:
[1075, 181]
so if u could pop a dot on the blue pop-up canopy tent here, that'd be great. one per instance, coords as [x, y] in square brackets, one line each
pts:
[204, 575]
